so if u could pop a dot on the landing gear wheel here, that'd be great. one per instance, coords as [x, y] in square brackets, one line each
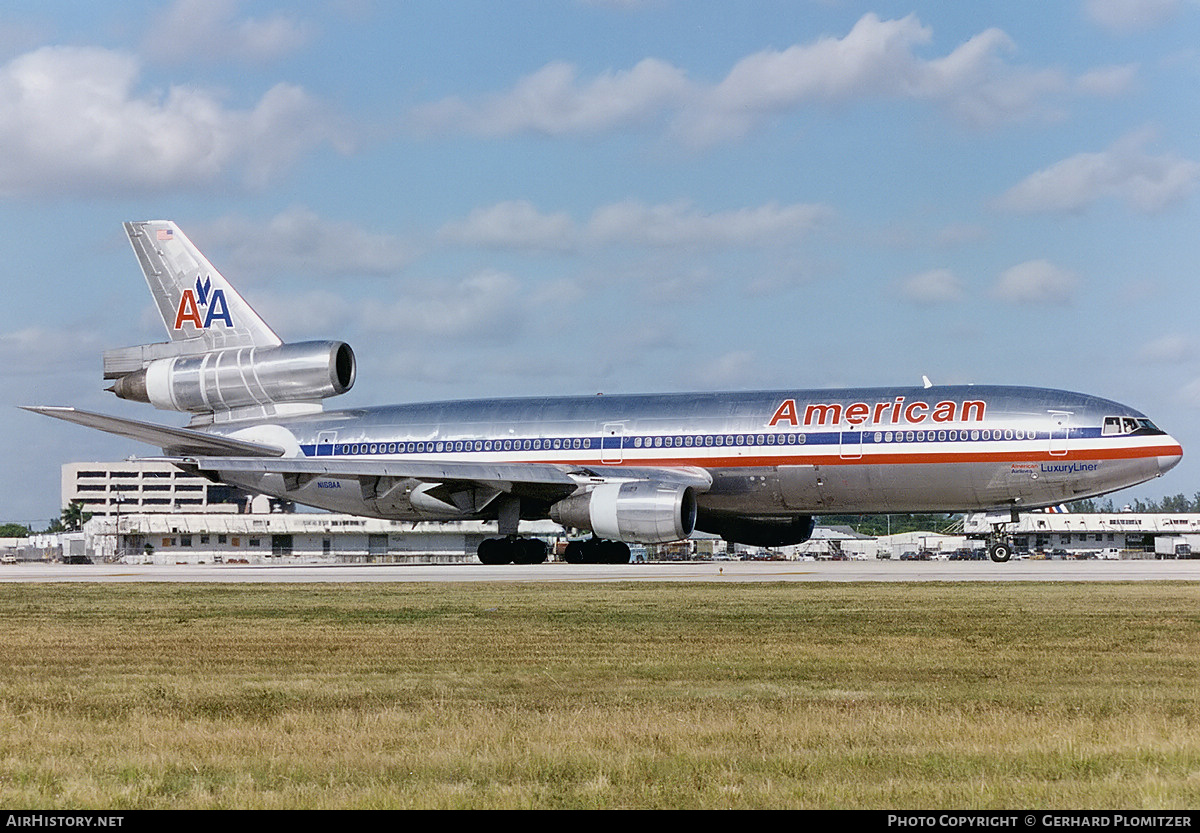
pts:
[614, 552]
[528, 550]
[494, 551]
[1000, 551]
[576, 553]
[597, 551]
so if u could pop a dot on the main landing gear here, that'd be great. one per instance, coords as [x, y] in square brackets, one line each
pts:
[512, 549]
[597, 551]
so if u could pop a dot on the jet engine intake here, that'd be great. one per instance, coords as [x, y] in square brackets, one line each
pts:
[224, 379]
[640, 511]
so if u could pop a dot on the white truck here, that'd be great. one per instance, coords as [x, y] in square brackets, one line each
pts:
[1172, 546]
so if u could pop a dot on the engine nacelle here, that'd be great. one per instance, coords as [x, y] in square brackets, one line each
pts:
[642, 511]
[223, 379]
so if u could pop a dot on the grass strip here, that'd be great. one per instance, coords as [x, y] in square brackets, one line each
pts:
[964, 695]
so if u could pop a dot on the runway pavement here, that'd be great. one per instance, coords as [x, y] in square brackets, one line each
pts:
[739, 571]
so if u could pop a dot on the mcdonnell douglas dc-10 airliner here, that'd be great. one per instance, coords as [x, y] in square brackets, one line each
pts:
[753, 467]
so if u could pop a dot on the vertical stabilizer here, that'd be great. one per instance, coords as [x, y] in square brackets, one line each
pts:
[197, 305]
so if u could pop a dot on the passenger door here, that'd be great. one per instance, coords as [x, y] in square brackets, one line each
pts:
[1060, 430]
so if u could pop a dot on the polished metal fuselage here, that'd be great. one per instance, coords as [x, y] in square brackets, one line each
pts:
[769, 453]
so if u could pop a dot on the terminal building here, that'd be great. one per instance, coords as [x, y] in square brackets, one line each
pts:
[147, 486]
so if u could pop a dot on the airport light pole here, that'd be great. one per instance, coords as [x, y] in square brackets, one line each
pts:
[117, 528]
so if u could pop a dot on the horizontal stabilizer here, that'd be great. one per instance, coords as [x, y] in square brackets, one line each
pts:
[170, 440]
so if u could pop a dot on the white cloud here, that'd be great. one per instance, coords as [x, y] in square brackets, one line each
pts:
[519, 224]
[958, 234]
[483, 306]
[1108, 81]
[938, 286]
[73, 122]
[552, 102]
[1123, 16]
[1036, 282]
[209, 30]
[303, 315]
[37, 351]
[1189, 394]
[1168, 349]
[436, 320]
[680, 224]
[876, 59]
[737, 369]
[1123, 171]
[299, 241]
[513, 224]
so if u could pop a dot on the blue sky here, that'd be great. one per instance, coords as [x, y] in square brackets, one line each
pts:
[489, 199]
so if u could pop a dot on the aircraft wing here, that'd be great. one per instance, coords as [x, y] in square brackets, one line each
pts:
[509, 477]
[210, 452]
[171, 440]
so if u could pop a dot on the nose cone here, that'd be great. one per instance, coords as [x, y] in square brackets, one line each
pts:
[1173, 453]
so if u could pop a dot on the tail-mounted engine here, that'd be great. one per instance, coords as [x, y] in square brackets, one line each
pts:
[221, 380]
[640, 511]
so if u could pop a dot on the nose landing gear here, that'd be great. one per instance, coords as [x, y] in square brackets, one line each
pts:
[1000, 551]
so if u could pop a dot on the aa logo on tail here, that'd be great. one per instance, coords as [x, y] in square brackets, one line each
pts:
[203, 297]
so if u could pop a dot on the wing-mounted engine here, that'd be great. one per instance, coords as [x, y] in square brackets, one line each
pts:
[226, 380]
[640, 511]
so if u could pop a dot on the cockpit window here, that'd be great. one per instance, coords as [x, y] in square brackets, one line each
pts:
[1114, 425]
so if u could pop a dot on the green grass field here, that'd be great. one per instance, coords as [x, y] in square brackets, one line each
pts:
[578, 696]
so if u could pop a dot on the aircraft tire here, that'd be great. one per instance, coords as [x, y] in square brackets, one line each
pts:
[596, 551]
[576, 553]
[494, 551]
[1000, 552]
[614, 552]
[528, 550]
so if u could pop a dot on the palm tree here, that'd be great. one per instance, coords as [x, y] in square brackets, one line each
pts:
[73, 516]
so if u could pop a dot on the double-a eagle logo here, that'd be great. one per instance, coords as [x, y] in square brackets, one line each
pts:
[202, 306]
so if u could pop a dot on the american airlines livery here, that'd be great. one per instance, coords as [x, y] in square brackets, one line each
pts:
[751, 467]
